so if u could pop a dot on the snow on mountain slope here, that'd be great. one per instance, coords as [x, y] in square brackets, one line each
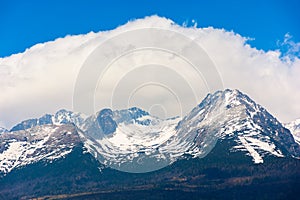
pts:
[47, 142]
[132, 140]
[257, 126]
[128, 139]
[294, 127]
[223, 115]
[232, 115]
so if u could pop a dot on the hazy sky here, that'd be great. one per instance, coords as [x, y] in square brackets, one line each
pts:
[252, 46]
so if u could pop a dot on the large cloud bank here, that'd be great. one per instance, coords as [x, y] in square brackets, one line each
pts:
[42, 79]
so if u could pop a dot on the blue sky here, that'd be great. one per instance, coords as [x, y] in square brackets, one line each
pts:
[25, 23]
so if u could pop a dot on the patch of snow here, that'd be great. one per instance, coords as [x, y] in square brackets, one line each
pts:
[41, 143]
[256, 157]
[294, 128]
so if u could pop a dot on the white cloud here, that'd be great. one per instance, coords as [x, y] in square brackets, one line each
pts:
[42, 79]
[289, 49]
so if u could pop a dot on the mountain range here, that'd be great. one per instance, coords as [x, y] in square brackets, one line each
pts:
[227, 146]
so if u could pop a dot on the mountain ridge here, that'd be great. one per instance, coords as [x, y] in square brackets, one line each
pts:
[132, 135]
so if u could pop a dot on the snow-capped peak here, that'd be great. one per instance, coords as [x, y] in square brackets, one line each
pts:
[231, 114]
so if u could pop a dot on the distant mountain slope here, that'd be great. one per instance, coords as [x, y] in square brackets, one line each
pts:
[2, 130]
[294, 127]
